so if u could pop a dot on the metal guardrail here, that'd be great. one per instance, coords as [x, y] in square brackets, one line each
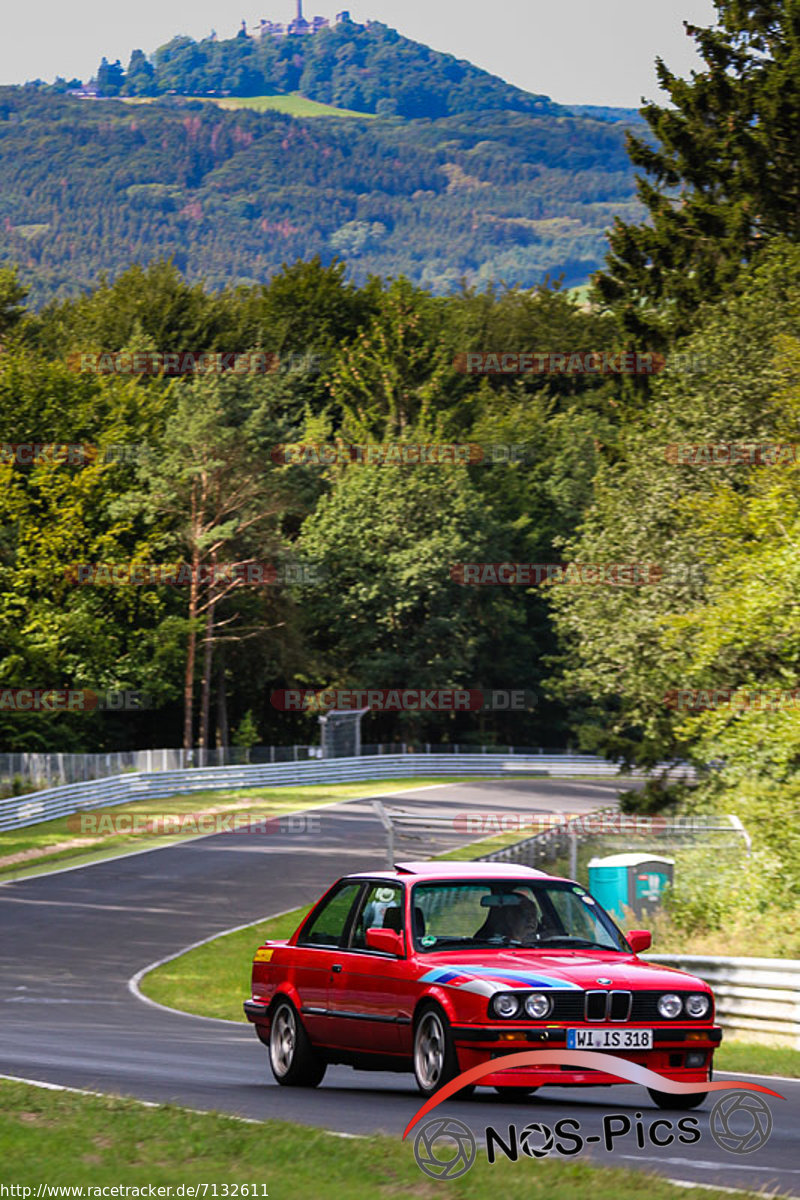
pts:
[54, 768]
[33, 807]
[754, 995]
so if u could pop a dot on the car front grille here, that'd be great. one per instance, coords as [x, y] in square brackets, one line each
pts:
[609, 1004]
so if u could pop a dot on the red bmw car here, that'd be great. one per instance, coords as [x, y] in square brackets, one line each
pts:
[436, 967]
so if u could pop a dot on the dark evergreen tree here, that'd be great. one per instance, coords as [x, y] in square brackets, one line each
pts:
[724, 173]
[139, 79]
[110, 77]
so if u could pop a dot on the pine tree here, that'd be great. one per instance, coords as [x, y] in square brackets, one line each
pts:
[724, 172]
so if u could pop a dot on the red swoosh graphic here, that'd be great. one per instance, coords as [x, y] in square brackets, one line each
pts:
[593, 1060]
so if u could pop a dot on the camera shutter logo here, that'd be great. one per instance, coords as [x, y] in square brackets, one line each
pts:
[434, 1159]
[740, 1122]
[528, 1137]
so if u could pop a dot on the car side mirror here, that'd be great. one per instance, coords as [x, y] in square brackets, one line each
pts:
[639, 940]
[388, 941]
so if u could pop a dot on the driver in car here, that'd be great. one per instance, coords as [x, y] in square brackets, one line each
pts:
[515, 919]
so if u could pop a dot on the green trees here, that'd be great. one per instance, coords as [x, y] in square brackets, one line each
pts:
[724, 172]
[713, 531]
[379, 604]
[217, 506]
[230, 197]
[12, 293]
[110, 77]
[352, 66]
[395, 617]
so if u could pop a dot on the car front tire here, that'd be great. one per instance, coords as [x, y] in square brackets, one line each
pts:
[435, 1058]
[674, 1102]
[293, 1059]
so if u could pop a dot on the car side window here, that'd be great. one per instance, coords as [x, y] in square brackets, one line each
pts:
[382, 909]
[329, 924]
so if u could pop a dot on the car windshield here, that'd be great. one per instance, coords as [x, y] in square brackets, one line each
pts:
[548, 915]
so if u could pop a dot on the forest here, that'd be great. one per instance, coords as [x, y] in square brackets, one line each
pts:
[88, 187]
[667, 503]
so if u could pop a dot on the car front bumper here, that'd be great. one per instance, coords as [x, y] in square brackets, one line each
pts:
[477, 1045]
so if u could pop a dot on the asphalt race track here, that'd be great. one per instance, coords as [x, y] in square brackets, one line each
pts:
[71, 941]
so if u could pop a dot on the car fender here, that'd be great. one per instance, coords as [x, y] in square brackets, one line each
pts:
[443, 999]
[286, 991]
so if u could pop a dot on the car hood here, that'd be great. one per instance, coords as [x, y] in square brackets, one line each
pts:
[486, 974]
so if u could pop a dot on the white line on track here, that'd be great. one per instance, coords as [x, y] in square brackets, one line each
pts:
[750, 1075]
[135, 980]
[200, 1112]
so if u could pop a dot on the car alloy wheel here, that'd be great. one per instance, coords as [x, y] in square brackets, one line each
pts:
[435, 1058]
[283, 1040]
[294, 1061]
[430, 1051]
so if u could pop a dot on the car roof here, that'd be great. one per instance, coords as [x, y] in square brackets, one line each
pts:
[451, 869]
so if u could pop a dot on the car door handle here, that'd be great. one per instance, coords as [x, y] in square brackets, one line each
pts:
[337, 968]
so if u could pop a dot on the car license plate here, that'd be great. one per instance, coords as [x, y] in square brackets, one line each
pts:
[609, 1039]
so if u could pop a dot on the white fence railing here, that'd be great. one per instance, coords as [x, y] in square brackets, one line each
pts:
[754, 995]
[29, 809]
[54, 768]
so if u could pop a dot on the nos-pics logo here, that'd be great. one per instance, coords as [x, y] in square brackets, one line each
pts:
[445, 1148]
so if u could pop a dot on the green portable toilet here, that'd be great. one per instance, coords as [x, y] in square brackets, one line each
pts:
[634, 880]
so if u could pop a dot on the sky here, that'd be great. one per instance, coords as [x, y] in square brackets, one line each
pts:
[575, 51]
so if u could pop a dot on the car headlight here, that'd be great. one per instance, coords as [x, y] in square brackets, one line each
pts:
[670, 1005]
[538, 1005]
[506, 1004]
[698, 1004]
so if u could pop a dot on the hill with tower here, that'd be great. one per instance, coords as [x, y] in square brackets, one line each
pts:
[367, 68]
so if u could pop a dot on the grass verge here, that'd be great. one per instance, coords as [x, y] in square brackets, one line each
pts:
[750, 1058]
[58, 843]
[60, 1138]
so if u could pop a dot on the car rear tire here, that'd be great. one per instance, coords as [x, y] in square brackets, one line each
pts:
[435, 1058]
[293, 1059]
[673, 1102]
[511, 1092]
